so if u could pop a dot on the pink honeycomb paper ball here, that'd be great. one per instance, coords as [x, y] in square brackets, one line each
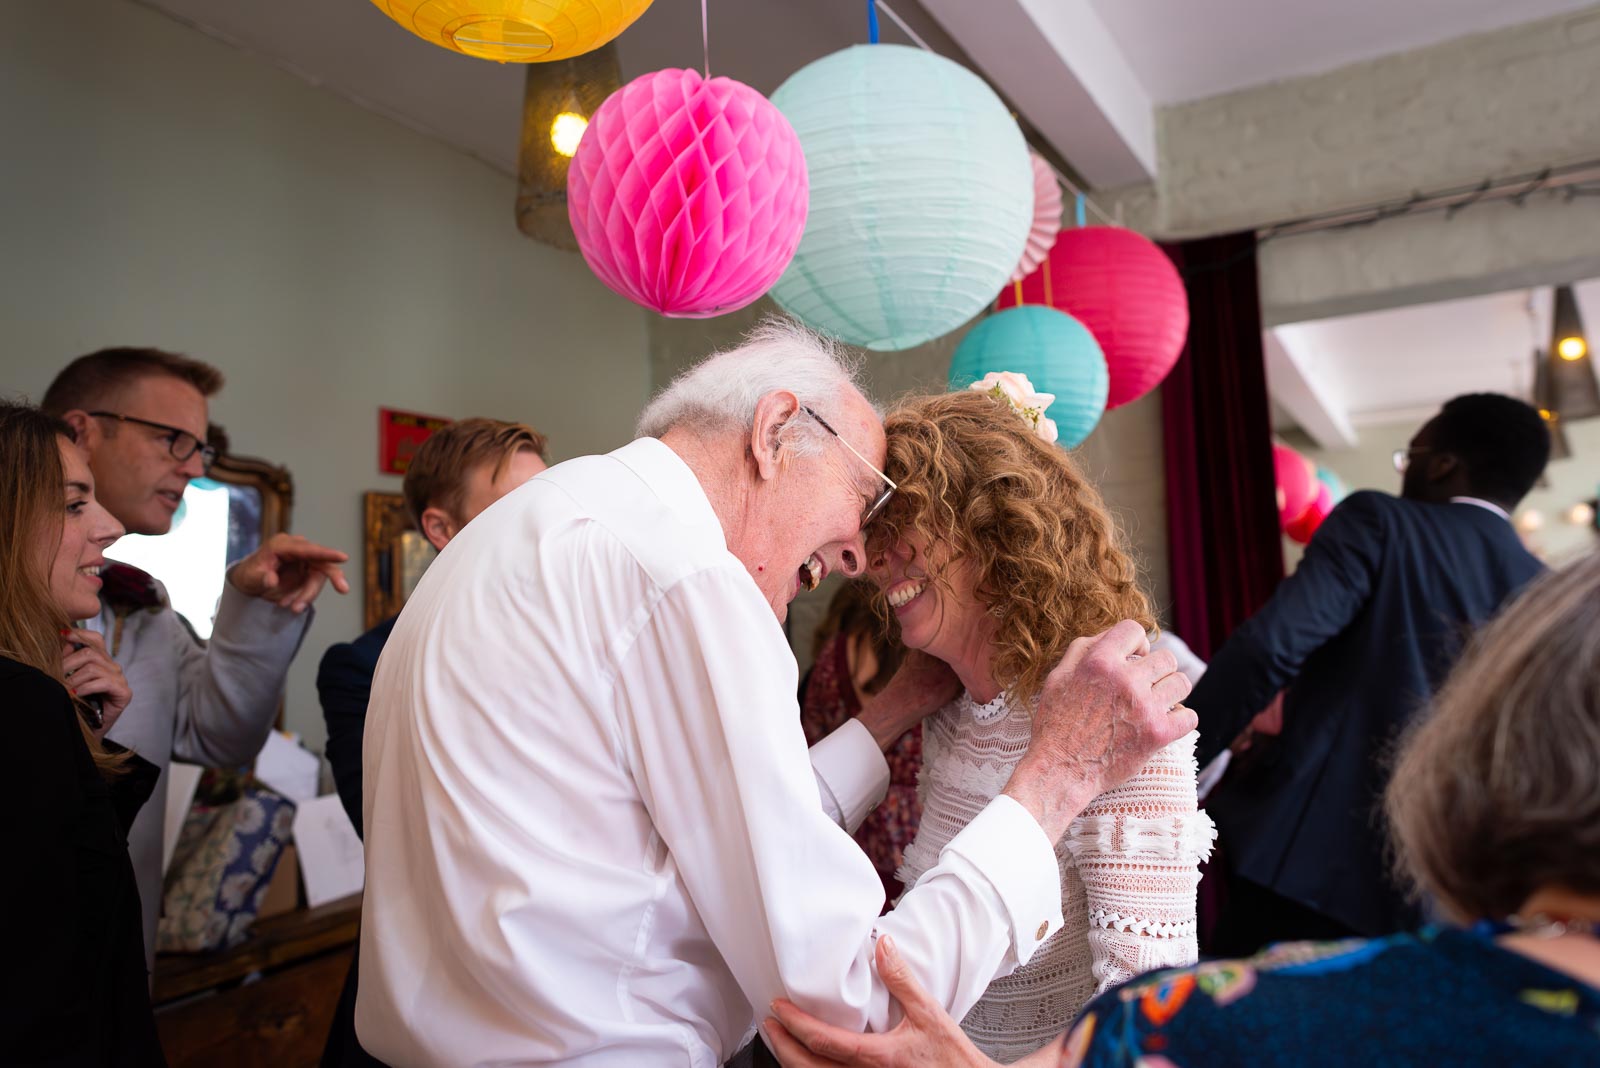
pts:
[688, 195]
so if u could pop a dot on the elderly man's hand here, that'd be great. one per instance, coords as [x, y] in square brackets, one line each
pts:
[1105, 710]
[926, 1038]
[922, 685]
[289, 571]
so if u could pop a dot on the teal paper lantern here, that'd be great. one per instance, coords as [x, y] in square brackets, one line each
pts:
[921, 195]
[1335, 484]
[1057, 353]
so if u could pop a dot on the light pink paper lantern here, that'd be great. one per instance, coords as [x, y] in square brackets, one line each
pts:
[688, 195]
[1046, 218]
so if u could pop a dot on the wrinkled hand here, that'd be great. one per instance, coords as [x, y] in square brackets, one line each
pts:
[926, 1037]
[90, 671]
[1105, 710]
[289, 571]
[922, 685]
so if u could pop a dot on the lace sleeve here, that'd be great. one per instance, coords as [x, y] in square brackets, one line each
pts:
[1138, 850]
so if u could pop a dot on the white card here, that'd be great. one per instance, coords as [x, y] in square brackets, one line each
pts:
[181, 782]
[330, 853]
[287, 768]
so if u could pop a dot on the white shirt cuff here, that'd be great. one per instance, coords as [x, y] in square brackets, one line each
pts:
[1008, 846]
[852, 775]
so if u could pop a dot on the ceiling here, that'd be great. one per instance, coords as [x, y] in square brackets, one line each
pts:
[353, 49]
[1084, 75]
[1189, 50]
[1399, 365]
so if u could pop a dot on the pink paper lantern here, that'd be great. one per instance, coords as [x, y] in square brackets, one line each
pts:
[1046, 218]
[1297, 484]
[1302, 529]
[1126, 291]
[688, 195]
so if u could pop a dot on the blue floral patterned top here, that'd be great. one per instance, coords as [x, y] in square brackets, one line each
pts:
[1439, 997]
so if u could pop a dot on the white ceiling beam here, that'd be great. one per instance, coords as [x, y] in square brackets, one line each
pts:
[1293, 382]
[1059, 64]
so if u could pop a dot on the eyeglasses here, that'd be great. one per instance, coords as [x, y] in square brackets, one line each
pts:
[883, 498]
[1402, 458]
[180, 443]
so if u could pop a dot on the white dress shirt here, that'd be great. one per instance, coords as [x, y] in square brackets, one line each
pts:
[593, 835]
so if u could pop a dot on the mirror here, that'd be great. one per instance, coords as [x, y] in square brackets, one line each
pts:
[397, 555]
[222, 519]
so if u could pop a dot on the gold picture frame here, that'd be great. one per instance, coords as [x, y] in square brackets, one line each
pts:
[396, 555]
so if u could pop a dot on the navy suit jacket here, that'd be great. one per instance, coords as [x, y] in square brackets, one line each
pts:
[344, 684]
[1362, 633]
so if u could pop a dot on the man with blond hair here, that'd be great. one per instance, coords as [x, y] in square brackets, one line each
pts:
[458, 472]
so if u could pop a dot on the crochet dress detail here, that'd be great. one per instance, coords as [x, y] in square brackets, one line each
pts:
[1129, 868]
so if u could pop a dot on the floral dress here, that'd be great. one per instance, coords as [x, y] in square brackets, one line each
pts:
[1442, 996]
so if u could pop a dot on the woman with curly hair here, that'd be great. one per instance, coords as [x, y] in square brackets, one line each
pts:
[994, 555]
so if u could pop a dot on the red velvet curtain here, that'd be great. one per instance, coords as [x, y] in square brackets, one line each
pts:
[1222, 515]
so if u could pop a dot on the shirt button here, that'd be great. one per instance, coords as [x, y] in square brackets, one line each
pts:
[1038, 936]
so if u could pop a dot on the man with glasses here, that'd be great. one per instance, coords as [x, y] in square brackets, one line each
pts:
[593, 832]
[141, 416]
[1361, 634]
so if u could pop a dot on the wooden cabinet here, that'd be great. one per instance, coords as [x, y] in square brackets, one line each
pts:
[268, 1002]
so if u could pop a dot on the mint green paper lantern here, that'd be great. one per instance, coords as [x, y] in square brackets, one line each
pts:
[921, 195]
[1057, 353]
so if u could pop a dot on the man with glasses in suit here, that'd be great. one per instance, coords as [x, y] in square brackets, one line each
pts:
[141, 416]
[1361, 634]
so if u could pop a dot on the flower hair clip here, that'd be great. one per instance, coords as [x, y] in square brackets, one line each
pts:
[1015, 389]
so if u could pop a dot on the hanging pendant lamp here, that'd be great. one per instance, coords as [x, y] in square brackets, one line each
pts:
[558, 100]
[1573, 390]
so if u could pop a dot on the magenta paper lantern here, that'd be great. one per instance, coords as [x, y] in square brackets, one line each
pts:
[1297, 485]
[1046, 218]
[688, 195]
[1126, 291]
[1302, 529]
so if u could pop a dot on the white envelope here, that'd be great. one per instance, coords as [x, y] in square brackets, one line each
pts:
[331, 862]
[287, 768]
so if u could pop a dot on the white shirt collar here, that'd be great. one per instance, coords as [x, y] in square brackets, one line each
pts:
[672, 480]
[1479, 502]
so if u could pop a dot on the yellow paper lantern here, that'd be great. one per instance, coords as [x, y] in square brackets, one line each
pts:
[515, 31]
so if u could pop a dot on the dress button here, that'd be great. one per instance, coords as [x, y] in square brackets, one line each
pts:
[1040, 933]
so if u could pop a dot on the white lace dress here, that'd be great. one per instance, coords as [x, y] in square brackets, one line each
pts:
[1129, 869]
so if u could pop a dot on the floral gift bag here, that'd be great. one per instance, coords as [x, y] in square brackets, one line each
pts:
[220, 870]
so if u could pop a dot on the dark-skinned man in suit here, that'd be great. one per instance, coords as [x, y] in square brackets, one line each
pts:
[1361, 635]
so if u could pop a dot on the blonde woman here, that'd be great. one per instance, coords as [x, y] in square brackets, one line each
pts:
[994, 555]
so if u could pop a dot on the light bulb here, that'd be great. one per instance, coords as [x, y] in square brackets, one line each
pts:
[566, 131]
[1572, 348]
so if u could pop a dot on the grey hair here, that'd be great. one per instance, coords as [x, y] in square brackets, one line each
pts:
[721, 391]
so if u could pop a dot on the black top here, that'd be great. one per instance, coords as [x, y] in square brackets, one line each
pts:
[77, 992]
[344, 684]
[1362, 633]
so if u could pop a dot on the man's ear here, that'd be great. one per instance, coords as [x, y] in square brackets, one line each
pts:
[438, 526]
[772, 412]
[85, 426]
[1441, 465]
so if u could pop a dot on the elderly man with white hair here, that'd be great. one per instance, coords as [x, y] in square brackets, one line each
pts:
[593, 833]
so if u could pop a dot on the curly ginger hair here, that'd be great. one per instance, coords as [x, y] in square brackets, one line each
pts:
[1050, 563]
